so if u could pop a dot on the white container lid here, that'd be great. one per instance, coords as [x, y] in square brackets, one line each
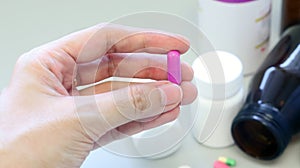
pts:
[218, 75]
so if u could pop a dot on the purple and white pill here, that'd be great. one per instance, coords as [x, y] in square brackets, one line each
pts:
[174, 69]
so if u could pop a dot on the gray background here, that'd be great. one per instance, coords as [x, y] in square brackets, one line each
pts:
[27, 24]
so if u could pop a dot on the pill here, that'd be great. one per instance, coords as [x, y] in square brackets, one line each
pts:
[218, 164]
[228, 161]
[174, 69]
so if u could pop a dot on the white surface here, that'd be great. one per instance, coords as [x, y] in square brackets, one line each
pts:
[26, 24]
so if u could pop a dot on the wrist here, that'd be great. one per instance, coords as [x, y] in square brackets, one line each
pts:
[12, 152]
[14, 159]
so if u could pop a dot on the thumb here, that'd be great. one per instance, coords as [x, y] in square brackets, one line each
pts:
[101, 113]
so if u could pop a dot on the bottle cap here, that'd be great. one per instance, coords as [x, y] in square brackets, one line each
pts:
[218, 75]
[235, 1]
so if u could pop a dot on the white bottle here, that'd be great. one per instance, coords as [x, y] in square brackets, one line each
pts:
[219, 80]
[241, 27]
[159, 142]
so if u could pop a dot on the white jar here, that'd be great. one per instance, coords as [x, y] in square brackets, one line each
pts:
[241, 27]
[159, 142]
[219, 80]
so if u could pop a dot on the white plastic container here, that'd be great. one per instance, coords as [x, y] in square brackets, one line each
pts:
[219, 80]
[159, 142]
[241, 27]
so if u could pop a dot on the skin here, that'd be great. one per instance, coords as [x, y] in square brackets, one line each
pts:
[46, 121]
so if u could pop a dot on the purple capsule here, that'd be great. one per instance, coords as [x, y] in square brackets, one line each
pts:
[174, 69]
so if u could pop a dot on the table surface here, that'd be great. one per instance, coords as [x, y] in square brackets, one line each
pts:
[27, 24]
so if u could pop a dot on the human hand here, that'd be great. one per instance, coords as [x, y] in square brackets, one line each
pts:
[45, 121]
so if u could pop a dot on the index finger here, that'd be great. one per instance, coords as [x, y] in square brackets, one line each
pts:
[92, 43]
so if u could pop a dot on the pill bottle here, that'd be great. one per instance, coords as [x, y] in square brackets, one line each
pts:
[241, 27]
[271, 113]
[219, 80]
[159, 142]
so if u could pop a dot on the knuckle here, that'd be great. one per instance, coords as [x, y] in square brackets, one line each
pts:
[139, 98]
[103, 25]
[30, 59]
[112, 68]
[27, 64]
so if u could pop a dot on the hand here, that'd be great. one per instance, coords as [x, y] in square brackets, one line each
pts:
[46, 121]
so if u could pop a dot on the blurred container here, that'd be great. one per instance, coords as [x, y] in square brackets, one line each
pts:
[241, 27]
[219, 80]
[159, 142]
[270, 117]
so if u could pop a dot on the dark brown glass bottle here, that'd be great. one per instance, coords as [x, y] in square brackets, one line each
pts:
[290, 14]
[271, 113]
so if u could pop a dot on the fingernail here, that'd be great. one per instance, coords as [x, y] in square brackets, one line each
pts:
[171, 94]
